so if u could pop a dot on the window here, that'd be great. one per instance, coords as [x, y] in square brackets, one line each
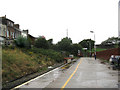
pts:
[9, 23]
[0, 30]
[13, 34]
[4, 32]
[7, 33]
[12, 24]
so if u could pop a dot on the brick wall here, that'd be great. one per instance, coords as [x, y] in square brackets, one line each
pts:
[107, 53]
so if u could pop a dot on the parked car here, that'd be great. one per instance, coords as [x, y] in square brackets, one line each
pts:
[114, 61]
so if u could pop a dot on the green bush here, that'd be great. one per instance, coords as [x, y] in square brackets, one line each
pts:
[56, 56]
[41, 43]
[22, 42]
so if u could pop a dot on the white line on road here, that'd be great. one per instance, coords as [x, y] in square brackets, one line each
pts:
[37, 77]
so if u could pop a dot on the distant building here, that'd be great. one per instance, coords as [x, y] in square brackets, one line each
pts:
[8, 30]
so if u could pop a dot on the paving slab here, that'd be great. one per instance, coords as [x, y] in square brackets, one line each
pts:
[90, 73]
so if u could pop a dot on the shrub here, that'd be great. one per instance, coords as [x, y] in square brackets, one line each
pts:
[54, 55]
[22, 42]
[41, 43]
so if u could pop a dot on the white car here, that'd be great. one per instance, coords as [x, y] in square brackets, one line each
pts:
[114, 61]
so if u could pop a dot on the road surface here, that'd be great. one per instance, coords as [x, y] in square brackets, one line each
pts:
[84, 73]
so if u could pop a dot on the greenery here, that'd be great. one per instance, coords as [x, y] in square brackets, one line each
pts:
[22, 42]
[97, 49]
[19, 62]
[64, 44]
[112, 40]
[41, 43]
[56, 56]
[87, 43]
[75, 48]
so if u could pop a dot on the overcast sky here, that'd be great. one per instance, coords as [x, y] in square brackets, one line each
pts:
[51, 18]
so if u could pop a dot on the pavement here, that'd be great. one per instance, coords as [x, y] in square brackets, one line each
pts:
[84, 73]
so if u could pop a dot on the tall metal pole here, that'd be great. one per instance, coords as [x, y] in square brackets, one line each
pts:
[94, 46]
[89, 45]
[119, 23]
[67, 32]
[119, 19]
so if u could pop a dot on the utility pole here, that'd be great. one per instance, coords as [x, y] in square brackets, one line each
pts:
[90, 46]
[119, 23]
[67, 32]
[94, 44]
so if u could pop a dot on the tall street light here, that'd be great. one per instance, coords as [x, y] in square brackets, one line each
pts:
[94, 45]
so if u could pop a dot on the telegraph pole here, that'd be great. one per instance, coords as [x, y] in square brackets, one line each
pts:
[94, 44]
[67, 32]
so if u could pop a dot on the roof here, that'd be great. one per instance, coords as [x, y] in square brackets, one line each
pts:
[4, 17]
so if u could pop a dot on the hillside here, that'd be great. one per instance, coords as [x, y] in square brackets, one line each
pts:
[18, 62]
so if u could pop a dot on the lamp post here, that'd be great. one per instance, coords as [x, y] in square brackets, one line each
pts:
[94, 45]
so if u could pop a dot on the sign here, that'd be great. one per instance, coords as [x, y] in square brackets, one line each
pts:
[84, 48]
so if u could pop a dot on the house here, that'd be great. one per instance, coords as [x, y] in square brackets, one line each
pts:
[17, 31]
[2, 33]
[32, 39]
[25, 33]
[8, 30]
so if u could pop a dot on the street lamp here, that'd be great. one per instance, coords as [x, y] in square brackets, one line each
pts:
[94, 45]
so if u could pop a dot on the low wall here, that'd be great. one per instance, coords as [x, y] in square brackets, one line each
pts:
[107, 53]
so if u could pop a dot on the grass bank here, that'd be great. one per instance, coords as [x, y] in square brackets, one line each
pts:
[18, 62]
[97, 49]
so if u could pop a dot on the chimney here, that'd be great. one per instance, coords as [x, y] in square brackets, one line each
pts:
[17, 26]
[25, 31]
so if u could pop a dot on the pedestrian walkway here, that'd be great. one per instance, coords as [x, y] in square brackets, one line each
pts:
[91, 73]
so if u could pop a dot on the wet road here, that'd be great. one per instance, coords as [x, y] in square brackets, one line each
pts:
[85, 73]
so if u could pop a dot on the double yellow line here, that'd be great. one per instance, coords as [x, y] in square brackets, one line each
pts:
[71, 75]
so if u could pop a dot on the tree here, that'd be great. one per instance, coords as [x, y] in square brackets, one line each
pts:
[50, 43]
[41, 43]
[87, 43]
[112, 40]
[65, 44]
[75, 48]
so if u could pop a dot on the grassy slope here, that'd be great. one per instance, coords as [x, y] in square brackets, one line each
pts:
[97, 49]
[17, 62]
